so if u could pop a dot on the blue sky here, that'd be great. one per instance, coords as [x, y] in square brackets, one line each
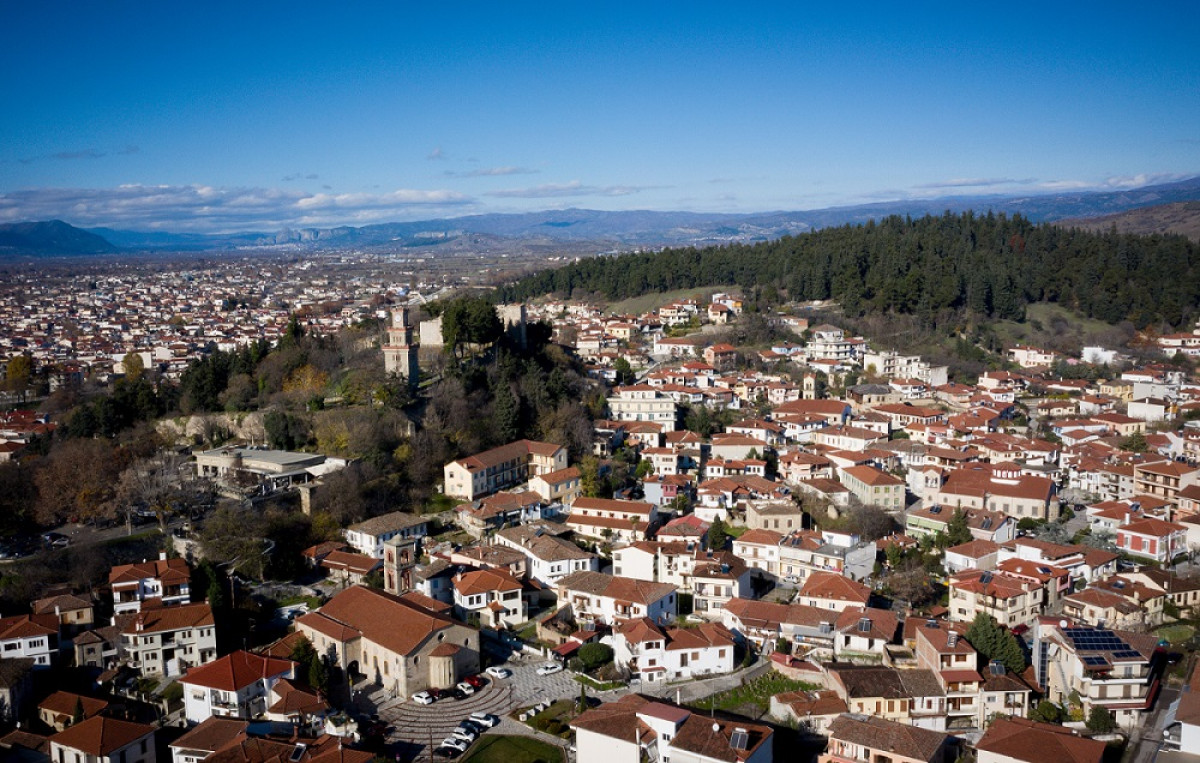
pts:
[234, 116]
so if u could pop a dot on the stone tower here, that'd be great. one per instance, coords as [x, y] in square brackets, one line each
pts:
[400, 351]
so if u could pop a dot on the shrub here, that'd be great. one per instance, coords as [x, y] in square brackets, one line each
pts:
[594, 655]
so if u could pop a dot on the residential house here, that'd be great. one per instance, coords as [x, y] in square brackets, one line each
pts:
[63, 708]
[100, 739]
[611, 519]
[1011, 601]
[74, 613]
[716, 577]
[829, 590]
[169, 640]
[874, 487]
[347, 568]
[237, 685]
[774, 515]
[1019, 740]
[659, 654]
[641, 402]
[1153, 539]
[594, 596]
[549, 557]
[32, 636]
[1105, 668]
[562, 486]
[972, 555]
[863, 632]
[855, 738]
[636, 729]
[165, 579]
[992, 526]
[490, 597]
[369, 536]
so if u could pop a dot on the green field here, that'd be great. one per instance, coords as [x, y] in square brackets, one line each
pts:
[1177, 633]
[647, 302]
[754, 697]
[1049, 316]
[513, 749]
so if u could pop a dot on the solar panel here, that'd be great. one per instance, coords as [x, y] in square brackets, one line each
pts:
[1094, 661]
[1126, 653]
[740, 740]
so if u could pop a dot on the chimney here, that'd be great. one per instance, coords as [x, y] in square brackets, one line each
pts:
[162, 556]
[141, 622]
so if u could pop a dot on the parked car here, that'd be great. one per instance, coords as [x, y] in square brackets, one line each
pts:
[454, 743]
[447, 752]
[496, 671]
[465, 688]
[442, 693]
[791, 580]
[56, 540]
[484, 720]
[459, 693]
[466, 733]
[549, 668]
[477, 681]
[423, 698]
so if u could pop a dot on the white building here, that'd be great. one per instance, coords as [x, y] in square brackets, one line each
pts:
[641, 402]
[236, 686]
[369, 536]
[658, 654]
[100, 739]
[548, 557]
[32, 636]
[608, 598]
[169, 640]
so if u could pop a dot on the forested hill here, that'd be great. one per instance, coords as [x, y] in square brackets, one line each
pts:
[991, 265]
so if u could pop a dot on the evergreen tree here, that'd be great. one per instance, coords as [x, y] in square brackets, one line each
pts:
[718, 535]
[996, 643]
[1100, 720]
[957, 529]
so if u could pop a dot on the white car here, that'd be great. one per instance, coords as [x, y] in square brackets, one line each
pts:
[549, 668]
[498, 672]
[455, 743]
[465, 733]
[466, 688]
[484, 720]
[423, 698]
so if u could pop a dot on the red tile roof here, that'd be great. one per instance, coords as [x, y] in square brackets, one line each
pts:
[236, 671]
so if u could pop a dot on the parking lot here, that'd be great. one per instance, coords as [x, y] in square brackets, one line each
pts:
[415, 727]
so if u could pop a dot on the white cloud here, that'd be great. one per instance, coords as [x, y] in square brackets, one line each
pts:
[493, 172]
[573, 188]
[972, 183]
[215, 209]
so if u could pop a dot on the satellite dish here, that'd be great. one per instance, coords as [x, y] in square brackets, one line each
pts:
[716, 728]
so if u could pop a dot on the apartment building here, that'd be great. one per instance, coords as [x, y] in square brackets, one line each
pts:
[1010, 600]
[169, 640]
[501, 468]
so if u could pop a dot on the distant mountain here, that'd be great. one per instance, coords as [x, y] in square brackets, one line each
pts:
[1182, 217]
[593, 230]
[52, 237]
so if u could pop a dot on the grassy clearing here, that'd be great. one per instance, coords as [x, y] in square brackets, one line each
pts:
[597, 685]
[513, 749]
[754, 695]
[1178, 633]
[647, 302]
[1048, 316]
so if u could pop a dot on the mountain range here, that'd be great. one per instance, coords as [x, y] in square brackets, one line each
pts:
[584, 230]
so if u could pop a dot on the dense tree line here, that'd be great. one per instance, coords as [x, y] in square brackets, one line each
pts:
[991, 265]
